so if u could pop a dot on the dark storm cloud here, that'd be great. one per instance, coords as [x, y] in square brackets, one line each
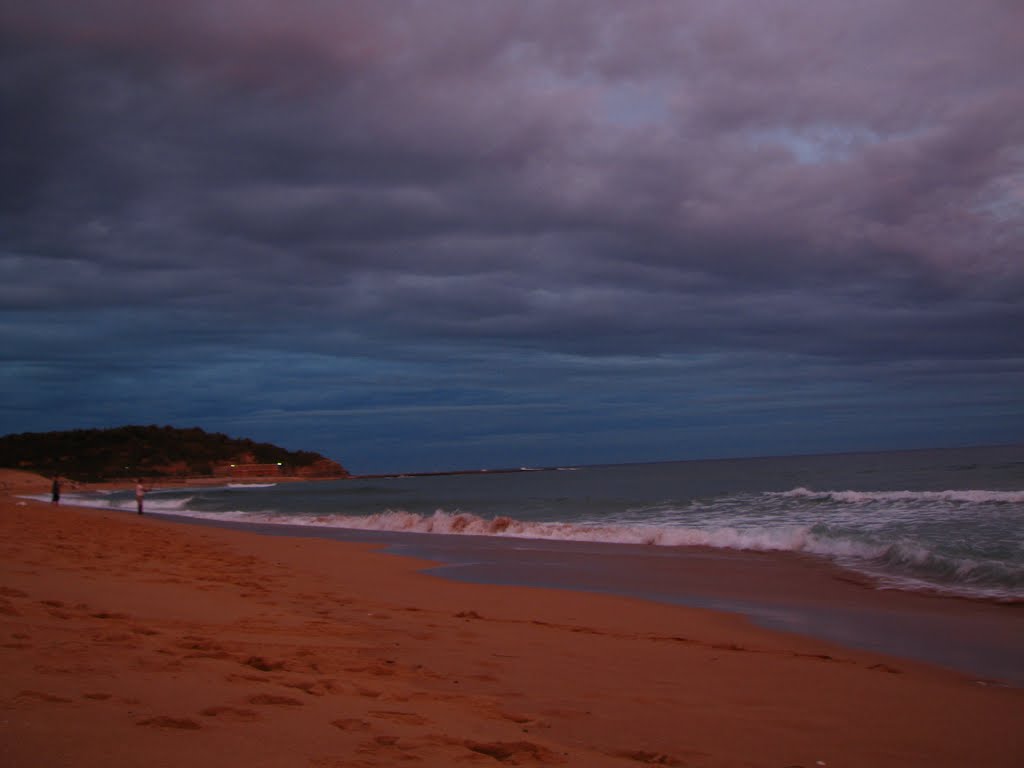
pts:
[376, 207]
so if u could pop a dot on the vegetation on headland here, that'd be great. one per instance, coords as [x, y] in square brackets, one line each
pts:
[151, 451]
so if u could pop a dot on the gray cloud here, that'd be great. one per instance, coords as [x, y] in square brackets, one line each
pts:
[511, 194]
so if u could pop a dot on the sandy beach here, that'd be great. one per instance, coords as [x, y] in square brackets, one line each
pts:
[131, 641]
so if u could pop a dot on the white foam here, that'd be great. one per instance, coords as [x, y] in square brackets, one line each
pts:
[860, 497]
[123, 500]
[782, 538]
[99, 500]
[862, 530]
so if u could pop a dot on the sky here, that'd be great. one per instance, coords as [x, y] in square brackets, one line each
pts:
[419, 236]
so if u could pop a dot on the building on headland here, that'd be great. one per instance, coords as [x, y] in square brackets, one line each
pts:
[248, 470]
[323, 469]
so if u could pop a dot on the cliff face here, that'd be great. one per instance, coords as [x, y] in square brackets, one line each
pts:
[244, 468]
[321, 468]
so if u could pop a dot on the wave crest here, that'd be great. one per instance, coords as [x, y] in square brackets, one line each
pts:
[860, 497]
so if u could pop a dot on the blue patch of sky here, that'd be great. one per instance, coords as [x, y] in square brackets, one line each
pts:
[818, 144]
[636, 103]
[1003, 197]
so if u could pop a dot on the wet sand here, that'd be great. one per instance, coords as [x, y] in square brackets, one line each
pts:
[783, 591]
[776, 590]
[128, 640]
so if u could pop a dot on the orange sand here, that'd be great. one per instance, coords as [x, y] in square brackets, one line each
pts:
[132, 641]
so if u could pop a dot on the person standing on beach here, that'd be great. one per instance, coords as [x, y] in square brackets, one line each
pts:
[55, 490]
[140, 493]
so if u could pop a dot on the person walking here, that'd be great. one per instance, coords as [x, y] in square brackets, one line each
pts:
[140, 493]
[55, 490]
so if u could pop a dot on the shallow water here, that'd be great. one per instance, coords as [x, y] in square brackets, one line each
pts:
[949, 521]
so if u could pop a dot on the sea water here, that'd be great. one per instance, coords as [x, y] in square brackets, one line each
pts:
[948, 521]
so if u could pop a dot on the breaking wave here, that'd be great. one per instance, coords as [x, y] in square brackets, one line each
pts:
[901, 539]
[865, 497]
[899, 564]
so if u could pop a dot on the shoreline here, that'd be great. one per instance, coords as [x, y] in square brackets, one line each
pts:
[780, 591]
[138, 640]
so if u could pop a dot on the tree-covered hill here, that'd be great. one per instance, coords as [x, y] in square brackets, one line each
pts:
[152, 451]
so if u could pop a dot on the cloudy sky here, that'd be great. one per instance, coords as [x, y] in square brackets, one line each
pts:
[467, 233]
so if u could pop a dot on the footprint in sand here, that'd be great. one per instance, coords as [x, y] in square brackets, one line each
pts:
[274, 700]
[108, 615]
[647, 758]
[163, 721]
[314, 687]
[263, 665]
[659, 758]
[509, 751]
[50, 698]
[233, 714]
[351, 724]
[6, 605]
[395, 716]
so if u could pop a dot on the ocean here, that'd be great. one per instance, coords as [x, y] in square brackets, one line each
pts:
[942, 521]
